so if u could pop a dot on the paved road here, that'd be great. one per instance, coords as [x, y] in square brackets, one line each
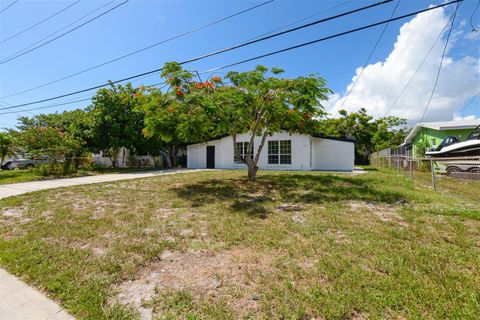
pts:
[19, 301]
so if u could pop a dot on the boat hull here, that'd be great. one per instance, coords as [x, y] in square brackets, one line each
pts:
[462, 149]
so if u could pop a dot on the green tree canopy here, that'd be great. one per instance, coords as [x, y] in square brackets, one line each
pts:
[371, 134]
[257, 102]
[6, 146]
[116, 121]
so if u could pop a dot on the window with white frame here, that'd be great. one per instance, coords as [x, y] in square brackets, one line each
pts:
[280, 152]
[242, 150]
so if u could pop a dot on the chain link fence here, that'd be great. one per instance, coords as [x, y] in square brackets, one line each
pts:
[428, 170]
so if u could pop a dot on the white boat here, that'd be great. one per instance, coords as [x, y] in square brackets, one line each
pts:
[451, 147]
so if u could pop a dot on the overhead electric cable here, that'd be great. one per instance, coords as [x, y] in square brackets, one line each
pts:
[332, 36]
[8, 6]
[60, 30]
[470, 102]
[63, 34]
[474, 29]
[249, 42]
[369, 56]
[397, 98]
[246, 60]
[40, 22]
[302, 19]
[441, 63]
[140, 50]
[67, 102]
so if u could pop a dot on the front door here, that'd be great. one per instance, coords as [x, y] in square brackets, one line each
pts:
[210, 157]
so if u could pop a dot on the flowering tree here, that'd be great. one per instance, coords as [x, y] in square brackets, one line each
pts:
[178, 115]
[47, 141]
[256, 102]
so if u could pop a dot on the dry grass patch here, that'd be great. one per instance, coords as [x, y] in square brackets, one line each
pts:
[384, 212]
[227, 275]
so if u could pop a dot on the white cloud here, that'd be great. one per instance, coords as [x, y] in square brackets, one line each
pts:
[457, 117]
[381, 82]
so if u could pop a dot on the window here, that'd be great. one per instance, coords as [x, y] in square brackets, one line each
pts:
[280, 152]
[242, 149]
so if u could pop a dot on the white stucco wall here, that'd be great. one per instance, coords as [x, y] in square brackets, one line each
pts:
[326, 154]
[332, 155]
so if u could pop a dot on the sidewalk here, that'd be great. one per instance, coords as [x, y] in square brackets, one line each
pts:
[21, 302]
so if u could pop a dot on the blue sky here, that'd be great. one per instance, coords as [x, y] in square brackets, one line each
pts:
[141, 23]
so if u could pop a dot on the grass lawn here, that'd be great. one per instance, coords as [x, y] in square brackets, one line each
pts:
[16, 176]
[209, 245]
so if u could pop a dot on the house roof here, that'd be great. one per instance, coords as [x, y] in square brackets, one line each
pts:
[316, 135]
[344, 139]
[443, 125]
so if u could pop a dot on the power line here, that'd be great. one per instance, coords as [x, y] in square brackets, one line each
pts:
[332, 36]
[302, 19]
[59, 30]
[142, 49]
[470, 102]
[40, 22]
[369, 57]
[63, 34]
[8, 104]
[49, 106]
[418, 68]
[441, 63]
[8, 6]
[247, 43]
[474, 29]
[66, 103]
[243, 61]
[250, 42]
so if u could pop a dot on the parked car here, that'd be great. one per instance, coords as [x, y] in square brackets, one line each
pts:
[6, 165]
[26, 163]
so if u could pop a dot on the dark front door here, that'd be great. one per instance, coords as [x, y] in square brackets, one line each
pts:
[210, 157]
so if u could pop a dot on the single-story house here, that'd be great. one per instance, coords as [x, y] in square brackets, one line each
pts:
[434, 133]
[282, 151]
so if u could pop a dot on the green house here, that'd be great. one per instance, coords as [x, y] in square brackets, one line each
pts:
[430, 134]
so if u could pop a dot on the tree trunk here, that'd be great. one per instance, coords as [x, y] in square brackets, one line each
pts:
[173, 156]
[114, 162]
[252, 171]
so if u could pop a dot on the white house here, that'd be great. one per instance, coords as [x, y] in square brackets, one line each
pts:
[281, 151]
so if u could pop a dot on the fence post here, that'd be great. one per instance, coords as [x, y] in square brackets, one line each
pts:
[433, 175]
[398, 162]
[410, 159]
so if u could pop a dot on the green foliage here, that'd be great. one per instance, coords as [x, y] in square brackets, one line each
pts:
[421, 147]
[116, 121]
[256, 102]
[371, 134]
[6, 146]
[47, 141]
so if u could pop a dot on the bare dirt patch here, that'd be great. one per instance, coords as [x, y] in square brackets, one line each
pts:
[14, 215]
[228, 275]
[165, 212]
[384, 212]
[338, 236]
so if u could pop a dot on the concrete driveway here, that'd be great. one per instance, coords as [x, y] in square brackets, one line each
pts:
[14, 189]
[19, 301]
